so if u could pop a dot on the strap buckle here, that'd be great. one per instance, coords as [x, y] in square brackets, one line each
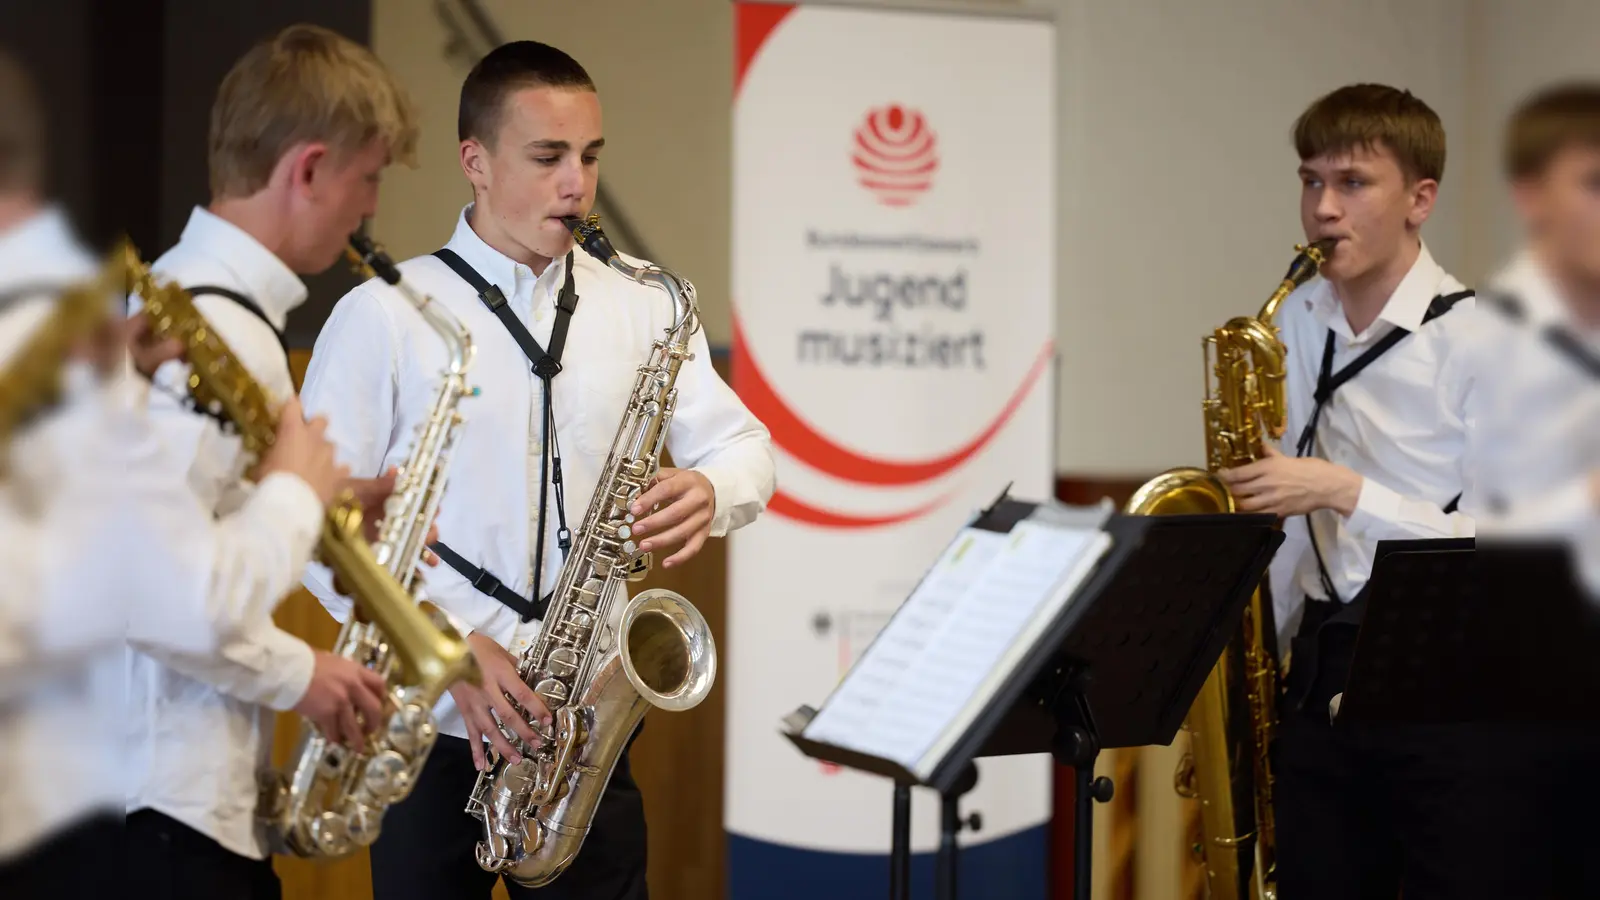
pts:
[492, 297]
[547, 367]
[486, 582]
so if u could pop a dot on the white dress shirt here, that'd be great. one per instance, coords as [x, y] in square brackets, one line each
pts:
[200, 725]
[375, 373]
[1540, 434]
[59, 633]
[1401, 424]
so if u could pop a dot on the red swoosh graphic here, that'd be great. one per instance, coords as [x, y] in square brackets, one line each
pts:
[789, 507]
[753, 24]
[800, 440]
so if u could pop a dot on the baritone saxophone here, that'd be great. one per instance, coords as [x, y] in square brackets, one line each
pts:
[330, 801]
[537, 812]
[1234, 717]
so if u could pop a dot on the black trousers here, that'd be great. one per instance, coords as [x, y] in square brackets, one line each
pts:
[425, 850]
[68, 865]
[171, 861]
[1435, 811]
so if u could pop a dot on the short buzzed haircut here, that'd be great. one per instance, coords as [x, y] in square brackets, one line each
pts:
[506, 69]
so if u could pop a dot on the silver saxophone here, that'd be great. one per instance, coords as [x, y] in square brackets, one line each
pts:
[598, 686]
[328, 800]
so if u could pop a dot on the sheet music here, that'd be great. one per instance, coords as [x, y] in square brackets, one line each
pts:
[955, 640]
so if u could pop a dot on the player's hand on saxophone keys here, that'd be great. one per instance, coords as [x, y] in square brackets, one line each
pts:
[503, 696]
[1290, 486]
[372, 493]
[687, 504]
[345, 699]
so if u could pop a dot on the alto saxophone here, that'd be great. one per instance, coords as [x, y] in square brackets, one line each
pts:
[1234, 717]
[331, 802]
[537, 812]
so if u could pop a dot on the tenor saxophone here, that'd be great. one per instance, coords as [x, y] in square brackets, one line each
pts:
[1233, 719]
[536, 813]
[328, 800]
[331, 800]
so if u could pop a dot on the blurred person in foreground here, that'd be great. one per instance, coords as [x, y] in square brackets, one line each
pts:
[59, 631]
[1540, 466]
[1537, 470]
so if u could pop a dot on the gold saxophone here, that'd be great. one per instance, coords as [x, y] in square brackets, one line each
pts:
[1232, 721]
[33, 381]
[536, 813]
[329, 803]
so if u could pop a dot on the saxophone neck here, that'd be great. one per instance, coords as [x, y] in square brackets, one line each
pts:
[1307, 263]
[686, 314]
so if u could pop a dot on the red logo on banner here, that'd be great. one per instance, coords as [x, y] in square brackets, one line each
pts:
[895, 154]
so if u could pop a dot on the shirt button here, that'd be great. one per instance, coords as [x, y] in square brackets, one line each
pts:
[539, 314]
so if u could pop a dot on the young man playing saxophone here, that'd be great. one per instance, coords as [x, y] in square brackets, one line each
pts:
[1380, 401]
[301, 129]
[530, 138]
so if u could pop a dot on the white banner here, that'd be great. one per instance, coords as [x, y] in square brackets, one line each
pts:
[894, 222]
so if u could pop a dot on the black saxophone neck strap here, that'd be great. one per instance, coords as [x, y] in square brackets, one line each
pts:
[211, 290]
[546, 365]
[1329, 382]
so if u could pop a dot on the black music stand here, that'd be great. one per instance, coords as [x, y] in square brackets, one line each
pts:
[1119, 667]
[1450, 623]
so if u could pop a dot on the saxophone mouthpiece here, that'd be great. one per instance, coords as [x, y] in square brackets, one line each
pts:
[589, 236]
[366, 253]
[1311, 258]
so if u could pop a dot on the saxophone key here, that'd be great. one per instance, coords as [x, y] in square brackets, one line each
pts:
[552, 691]
[330, 833]
[563, 662]
[387, 777]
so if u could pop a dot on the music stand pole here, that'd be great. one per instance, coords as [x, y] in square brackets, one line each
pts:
[900, 846]
[950, 825]
[1077, 744]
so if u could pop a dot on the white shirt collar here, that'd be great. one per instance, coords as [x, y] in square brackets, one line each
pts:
[1525, 279]
[44, 250]
[268, 280]
[1405, 309]
[498, 269]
